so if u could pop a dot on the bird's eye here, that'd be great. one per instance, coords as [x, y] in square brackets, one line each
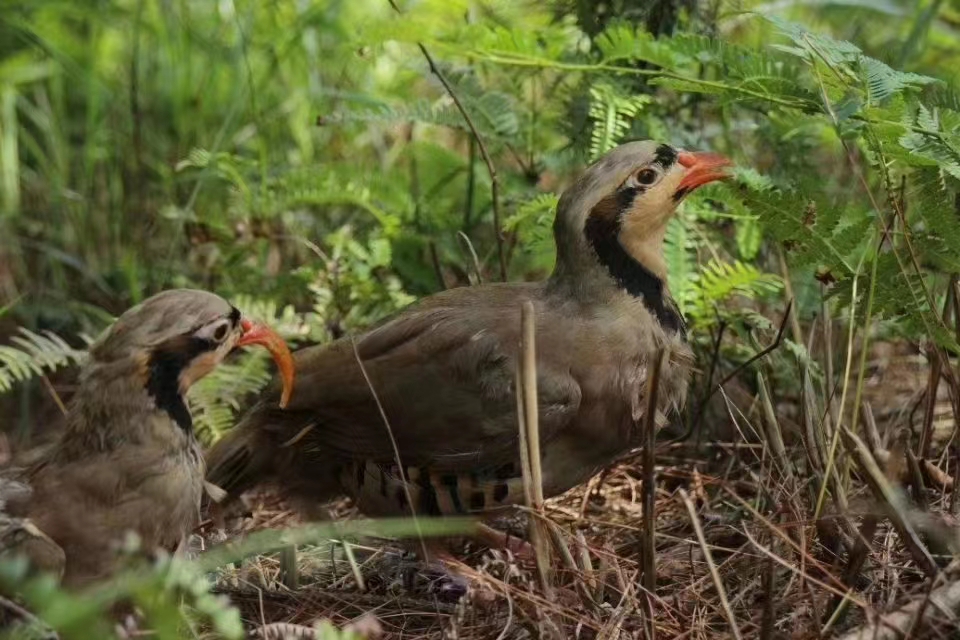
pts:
[215, 331]
[220, 332]
[647, 177]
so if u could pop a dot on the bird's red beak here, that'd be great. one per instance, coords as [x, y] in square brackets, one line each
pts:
[702, 167]
[269, 339]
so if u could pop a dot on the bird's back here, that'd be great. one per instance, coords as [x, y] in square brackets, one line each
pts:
[440, 376]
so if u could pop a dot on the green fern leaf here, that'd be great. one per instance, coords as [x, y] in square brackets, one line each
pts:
[935, 139]
[881, 81]
[679, 253]
[812, 45]
[34, 354]
[216, 398]
[721, 280]
[623, 42]
[612, 113]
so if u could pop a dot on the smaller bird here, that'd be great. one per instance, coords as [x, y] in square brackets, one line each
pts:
[128, 459]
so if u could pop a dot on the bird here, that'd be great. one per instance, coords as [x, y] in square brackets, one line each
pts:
[20, 537]
[128, 460]
[418, 414]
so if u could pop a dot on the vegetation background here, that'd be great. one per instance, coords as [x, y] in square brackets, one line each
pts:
[306, 159]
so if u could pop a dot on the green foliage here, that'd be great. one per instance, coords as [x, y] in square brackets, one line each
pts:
[532, 222]
[33, 354]
[337, 194]
[681, 260]
[304, 161]
[266, 185]
[174, 596]
[612, 113]
[720, 281]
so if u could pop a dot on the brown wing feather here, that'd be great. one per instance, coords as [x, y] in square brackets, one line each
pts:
[444, 373]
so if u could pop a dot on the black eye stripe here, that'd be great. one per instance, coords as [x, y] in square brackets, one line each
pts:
[665, 156]
[625, 198]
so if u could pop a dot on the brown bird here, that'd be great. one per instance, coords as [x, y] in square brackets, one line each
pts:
[443, 369]
[20, 537]
[127, 459]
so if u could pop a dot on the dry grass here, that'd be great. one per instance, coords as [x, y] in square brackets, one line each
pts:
[749, 558]
[779, 569]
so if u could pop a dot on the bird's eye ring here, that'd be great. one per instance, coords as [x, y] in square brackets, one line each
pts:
[220, 333]
[647, 177]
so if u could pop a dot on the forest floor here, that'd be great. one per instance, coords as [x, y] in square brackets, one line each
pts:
[739, 543]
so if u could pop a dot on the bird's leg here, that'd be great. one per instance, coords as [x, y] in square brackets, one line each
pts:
[495, 539]
[444, 570]
[439, 566]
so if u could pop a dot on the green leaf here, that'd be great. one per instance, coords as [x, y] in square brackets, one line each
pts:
[34, 354]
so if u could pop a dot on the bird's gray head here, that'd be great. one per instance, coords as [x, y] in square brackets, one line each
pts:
[176, 337]
[174, 315]
[610, 223]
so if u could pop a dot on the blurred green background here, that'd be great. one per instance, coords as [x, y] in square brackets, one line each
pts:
[300, 157]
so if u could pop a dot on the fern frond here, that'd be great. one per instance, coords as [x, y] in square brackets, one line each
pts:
[819, 232]
[935, 138]
[537, 212]
[34, 354]
[720, 280]
[287, 321]
[624, 42]
[849, 66]
[549, 42]
[215, 399]
[881, 81]
[493, 112]
[742, 71]
[612, 113]
[679, 253]
[811, 45]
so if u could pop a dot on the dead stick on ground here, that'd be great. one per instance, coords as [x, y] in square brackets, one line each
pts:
[650, 491]
[53, 394]
[887, 495]
[289, 572]
[530, 434]
[705, 549]
[933, 383]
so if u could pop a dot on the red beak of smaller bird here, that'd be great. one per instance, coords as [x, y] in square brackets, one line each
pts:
[269, 339]
[702, 167]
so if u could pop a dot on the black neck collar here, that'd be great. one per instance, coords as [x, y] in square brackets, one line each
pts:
[163, 383]
[602, 233]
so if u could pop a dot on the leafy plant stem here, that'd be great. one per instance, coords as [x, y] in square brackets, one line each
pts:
[837, 428]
